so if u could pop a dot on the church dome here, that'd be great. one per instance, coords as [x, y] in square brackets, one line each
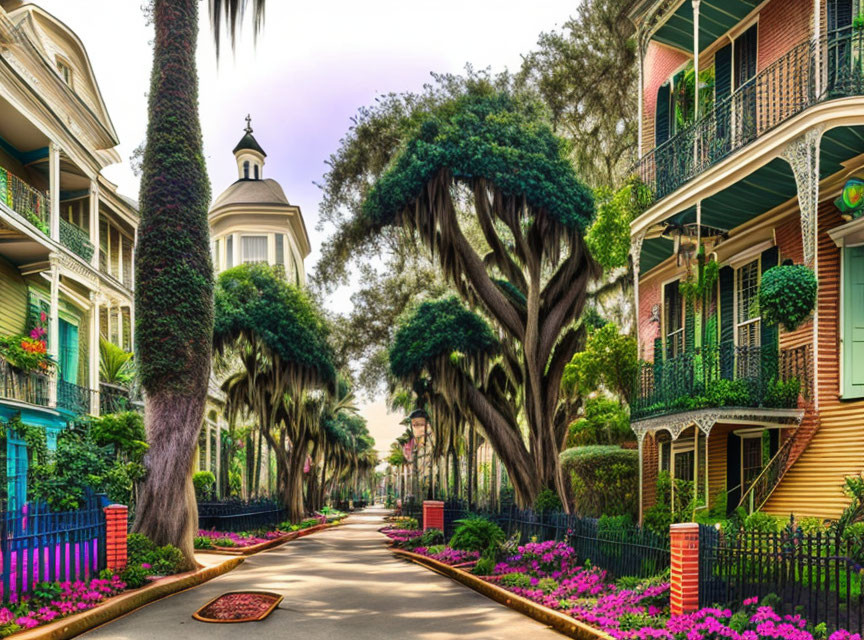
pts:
[252, 192]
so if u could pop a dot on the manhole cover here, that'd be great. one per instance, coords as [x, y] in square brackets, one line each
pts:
[239, 606]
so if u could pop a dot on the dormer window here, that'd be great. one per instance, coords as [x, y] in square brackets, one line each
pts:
[65, 71]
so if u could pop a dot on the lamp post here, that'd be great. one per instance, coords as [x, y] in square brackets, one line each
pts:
[419, 421]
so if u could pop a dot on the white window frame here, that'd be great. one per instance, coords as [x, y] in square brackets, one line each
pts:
[665, 315]
[750, 434]
[268, 240]
[737, 300]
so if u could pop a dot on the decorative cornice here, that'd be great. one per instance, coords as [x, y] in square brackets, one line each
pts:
[705, 419]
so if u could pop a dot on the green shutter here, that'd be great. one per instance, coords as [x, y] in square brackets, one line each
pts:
[769, 333]
[853, 322]
[727, 322]
[722, 73]
[661, 116]
[689, 326]
[68, 352]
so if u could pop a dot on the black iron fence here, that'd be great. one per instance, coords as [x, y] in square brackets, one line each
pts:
[722, 375]
[811, 72]
[815, 575]
[239, 515]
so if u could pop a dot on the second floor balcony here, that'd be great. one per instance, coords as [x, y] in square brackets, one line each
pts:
[723, 375]
[810, 73]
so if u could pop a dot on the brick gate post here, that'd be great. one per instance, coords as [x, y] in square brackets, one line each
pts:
[684, 552]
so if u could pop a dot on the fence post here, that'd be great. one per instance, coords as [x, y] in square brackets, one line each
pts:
[433, 515]
[116, 524]
[684, 596]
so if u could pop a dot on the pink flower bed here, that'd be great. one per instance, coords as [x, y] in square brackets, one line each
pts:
[240, 539]
[401, 535]
[448, 555]
[73, 597]
[548, 573]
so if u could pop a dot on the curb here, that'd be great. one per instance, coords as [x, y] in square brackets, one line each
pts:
[561, 622]
[124, 603]
[263, 546]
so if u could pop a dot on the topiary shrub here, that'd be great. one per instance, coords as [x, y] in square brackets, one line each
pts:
[787, 295]
[605, 479]
[476, 534]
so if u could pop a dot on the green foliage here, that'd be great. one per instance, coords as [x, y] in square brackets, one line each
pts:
[135, 576]
[254, 303]
[25, 353]
[610, 359]
[476, 534]
[605, 479]
[787, 295]
[173, 274]
[124, 432]
[432, 536]
[138, 548]
[226, 542]
[165, 560]
[604, 421]
[204, 483]
[435, 330]
[547, 501]
[485, 566]
[64, 480]
[519, 580]
[696, 288]
[485, 134]
[547, 585]
[202, 542]
[608, 238]
[759, 522]
[664, 513]
[115, 365]
[782, 393]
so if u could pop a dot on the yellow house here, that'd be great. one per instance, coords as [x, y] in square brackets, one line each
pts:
[66, 236]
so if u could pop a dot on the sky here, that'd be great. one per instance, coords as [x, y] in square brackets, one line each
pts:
[313, 66]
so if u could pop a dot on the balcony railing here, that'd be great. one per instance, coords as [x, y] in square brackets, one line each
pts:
[722, 376]
[116, 399]
[782, 90]
[74, 398]
[23, 386]
[28, 202]
[76, 239]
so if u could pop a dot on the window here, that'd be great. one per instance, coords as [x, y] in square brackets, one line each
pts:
[853, 322]
[216, 246]
[256, 171]
[744, 71]
[65, 72]
[75, 212]
[254, 248]
[246, 170]
[115, 252]
[229, 252]
[673, 306]
[748, 318]
[280, 249]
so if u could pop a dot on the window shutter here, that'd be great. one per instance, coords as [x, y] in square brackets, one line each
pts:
[661, 116]
[768, 337]
[722, 73]
[733, 472]
[853, 322]
[689, 327]
[838, 14]
[727, 322]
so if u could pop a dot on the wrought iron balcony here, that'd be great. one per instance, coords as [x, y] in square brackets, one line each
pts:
[28, 202]
[722, 376]
[23, 386]
[76, 239]
[74, 398]
[781, 91]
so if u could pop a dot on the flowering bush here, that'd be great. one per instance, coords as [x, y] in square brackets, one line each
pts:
[52, 601]
[28, 353]
[207, 539]
[447, 555]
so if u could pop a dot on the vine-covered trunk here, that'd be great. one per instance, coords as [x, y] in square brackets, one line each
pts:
[174, 281]
[292, 496]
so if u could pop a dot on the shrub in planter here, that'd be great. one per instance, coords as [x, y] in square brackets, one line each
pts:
[485, 566]
[432, 537]
[476, 534]
[605, 479]
[511, 580]
[202, 542]
[135, 576]
[787, 295]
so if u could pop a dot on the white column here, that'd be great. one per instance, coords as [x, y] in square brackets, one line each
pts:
[54, 327]
[134, 249]
[54, 188]
[132, 327]
[94, 222]
[641, 439]
[235, 248]
[641, 96]
[695, 79]
[94, 355]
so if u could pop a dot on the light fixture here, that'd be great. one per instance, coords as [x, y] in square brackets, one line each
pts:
[851, 200]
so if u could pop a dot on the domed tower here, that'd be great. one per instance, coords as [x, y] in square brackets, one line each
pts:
[252, 221]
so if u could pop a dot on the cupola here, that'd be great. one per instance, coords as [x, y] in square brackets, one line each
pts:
[249, 154]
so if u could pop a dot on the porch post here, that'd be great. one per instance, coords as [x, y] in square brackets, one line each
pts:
[636, 254]
[54, 327]
[641, 439]
[640, 99]
[94, 355]
[817, 48]
[54, 188]
[94, 223]
[802, 154]
[695, 4]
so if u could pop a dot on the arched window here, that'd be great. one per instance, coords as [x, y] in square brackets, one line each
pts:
[256, 171]
[246, 170]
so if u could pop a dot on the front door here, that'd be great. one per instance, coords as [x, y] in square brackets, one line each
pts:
[853, 322]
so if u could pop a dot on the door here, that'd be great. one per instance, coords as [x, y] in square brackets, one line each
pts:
[745, 86]
[68, 352]
[840, 44]
[16, 472]
[853, 322]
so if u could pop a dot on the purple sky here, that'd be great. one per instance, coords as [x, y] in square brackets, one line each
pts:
[314, 65]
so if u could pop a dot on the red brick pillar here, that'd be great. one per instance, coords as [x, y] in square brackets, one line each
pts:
[433, 515]
[116, 523]
[684, 596]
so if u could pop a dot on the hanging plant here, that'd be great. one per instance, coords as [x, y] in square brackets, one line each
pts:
[787, 295]
[696, 287]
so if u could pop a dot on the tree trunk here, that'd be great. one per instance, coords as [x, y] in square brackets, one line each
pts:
[167, 512]
[293, 494]
[470, 453]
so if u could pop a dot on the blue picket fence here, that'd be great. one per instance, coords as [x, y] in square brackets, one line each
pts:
[40, 545]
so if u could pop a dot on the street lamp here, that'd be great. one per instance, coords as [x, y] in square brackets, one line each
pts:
[419, 420]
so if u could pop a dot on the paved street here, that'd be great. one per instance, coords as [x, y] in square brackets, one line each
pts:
[341, 583]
